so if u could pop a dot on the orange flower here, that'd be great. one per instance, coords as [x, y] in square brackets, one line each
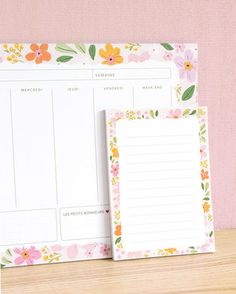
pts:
[206, 206]
[111, 55]
[118, 230]
[39, 53]
[115, 152]
[204, 175]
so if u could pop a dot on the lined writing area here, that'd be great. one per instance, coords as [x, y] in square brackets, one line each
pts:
[160, 191]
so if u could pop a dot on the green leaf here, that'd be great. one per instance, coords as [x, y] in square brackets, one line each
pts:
[186, 112]
[156, 113]
[202, 185]
[152, 113]
[118, 240]
[202, 127]
[2, 265]
[81, 47]
[92, 51]
[62, 47]
[5, 260]
[193, 112]
[191, 247]
[207, 186]
[64, 58]
[8, 252]
[188, 93]
[211, 233]
[202, 139]
[167, 46]
[206, 198]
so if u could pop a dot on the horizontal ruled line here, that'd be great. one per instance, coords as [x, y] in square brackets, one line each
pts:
[163, 222]
[159, 170]
[158, 153]
[161, 196]
[156, 205]
[157, 136]
[160, 179]
[161, 144]
[157, 214]
[163, 231]
[169, 239]
[158, 161]
[163, 187]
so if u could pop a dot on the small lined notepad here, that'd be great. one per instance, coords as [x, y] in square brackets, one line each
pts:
[159, 182]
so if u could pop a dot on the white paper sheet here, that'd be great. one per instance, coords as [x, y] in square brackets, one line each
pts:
[159, 172]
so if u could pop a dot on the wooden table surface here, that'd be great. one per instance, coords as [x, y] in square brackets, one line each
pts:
[203, 273]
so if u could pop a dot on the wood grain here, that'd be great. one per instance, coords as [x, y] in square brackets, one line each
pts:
[204, 273]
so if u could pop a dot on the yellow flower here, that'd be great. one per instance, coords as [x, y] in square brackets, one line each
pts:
[204, 164]
[115, 152]
[210, 217]
[206, 207]
[201, 112]
[111, 55]
[114, 181]
[9, 58]
[45, 258]
[5, 46]
[130, 114]
[170, 250]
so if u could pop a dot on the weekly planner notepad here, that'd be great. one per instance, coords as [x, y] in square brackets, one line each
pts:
[159, 182]
[53, 168]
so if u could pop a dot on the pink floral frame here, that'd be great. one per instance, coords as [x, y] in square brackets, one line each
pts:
[119, 251]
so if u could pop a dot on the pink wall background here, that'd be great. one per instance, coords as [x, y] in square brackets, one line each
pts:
[210, 23]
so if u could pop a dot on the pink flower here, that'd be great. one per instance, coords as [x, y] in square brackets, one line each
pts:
[174, 113]
[115, 189]
[135, 254]
[89, 249]
[72, 251]
[27, 255]
[139, 58]
[56, 248]
[105, 250]
[179, 47]
[203, 151]
[168, 56]
[115, 169]
[187, 66]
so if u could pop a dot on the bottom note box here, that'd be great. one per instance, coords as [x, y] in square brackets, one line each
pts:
[86, 222]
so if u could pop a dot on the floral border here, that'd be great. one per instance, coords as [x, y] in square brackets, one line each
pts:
[20, 256]
[183, 55]
[112, 117]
